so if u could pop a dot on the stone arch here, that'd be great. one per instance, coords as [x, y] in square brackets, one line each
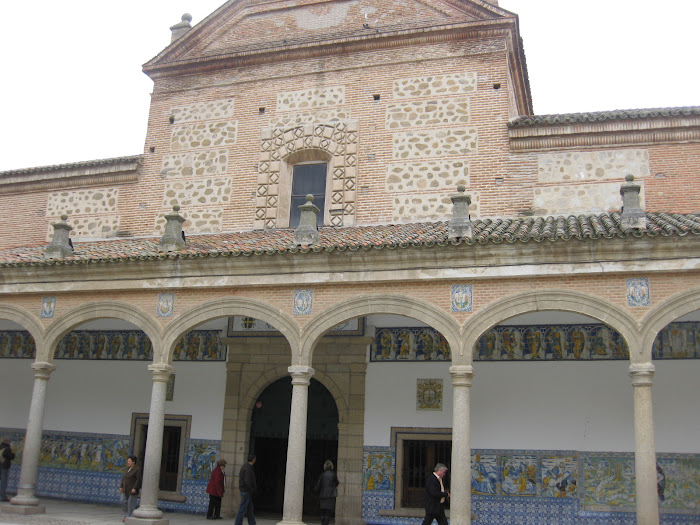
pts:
[335, 141]
[27, 320]
[379, 304]
[548, 300]
[665, 313]
[102, 310]
[225, 308]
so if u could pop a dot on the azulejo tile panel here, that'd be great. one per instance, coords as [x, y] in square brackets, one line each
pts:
[17, 343]
[536, 487]
[379, 468]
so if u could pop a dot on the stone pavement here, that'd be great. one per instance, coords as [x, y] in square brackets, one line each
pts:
[60, 512]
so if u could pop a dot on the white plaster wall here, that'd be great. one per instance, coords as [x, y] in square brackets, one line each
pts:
[584, 406]
[100, 396]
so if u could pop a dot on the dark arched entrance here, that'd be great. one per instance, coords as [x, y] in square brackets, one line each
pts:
[269, 435]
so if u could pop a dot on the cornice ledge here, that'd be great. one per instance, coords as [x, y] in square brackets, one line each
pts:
[81, 175]
[608, 134]
[374, 41]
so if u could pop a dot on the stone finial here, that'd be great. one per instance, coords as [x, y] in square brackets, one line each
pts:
[306, 233]
[173, 238]
[632, 214]
[460, 225]
[181, 28]
[60, 246]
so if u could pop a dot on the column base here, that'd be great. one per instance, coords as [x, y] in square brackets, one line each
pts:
[146, 521]
[287, 522]
[9, 508]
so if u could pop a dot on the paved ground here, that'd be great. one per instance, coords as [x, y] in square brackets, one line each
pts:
[69, 513]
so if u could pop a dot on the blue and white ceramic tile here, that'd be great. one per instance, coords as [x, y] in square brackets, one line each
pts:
[166, 303]
[303, 302]
[638, 292]
[462, 298]
[48, 307]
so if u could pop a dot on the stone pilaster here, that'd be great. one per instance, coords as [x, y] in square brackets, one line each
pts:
[460, 475]
[350, 452]
[296, 448]
[644, 451]
[148, 511]
[26, 502]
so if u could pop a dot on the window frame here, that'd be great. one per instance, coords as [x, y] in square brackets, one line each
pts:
[138, 436]
[305, 156]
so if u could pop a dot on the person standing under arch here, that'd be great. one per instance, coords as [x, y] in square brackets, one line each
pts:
[326, 488]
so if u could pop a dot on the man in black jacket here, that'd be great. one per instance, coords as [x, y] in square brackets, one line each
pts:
[6, 457]
[247, 486]
[435, 496]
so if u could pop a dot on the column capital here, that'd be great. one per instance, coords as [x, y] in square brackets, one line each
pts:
[43, 370]
[642, 373]
[462, 375]
[161, 372]
[301, 375]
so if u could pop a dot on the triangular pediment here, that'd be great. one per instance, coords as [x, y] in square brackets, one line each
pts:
[241, 26]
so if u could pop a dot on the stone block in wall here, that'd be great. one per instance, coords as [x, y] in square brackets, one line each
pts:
[82, 202]
[434, 143]
[89, 227]
[291, 120]
[204, 192]
[429, 175]
[214, 162]
[311, 98]
[579, 198]
[196, 221]
[212, 110]
[429, 206]
[435, 85]
[581, 166]
[204, 135]
[427, 113]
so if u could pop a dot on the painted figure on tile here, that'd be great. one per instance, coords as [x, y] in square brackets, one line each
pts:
[619, 347]
[404, 343]
[599, 345]
[488, 345]
[484, 474]
[660, 483]
[559, 475]
[533, 341]
[179, 350]
[4, 344]
[211, 346]
[115, 346]
[578, 343]
[386, 347]
[519, 476]
[426, 345]
[193, 341]
[443, 351]
[553, 343]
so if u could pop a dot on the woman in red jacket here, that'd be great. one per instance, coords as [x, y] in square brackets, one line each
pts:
[215, 489]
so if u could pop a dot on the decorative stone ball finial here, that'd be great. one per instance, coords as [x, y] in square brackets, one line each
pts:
[173, 238]
[460, 225]
[61, 245]
[306, 233]
[181, 28]
[632, 215]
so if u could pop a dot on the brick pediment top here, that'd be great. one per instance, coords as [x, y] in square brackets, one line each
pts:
[388, 236]
[241, 27]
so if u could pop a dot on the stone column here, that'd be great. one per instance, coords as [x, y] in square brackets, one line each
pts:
[26, 502]
[296, 448]
[644, 450]
[148, 511]
[460, 475]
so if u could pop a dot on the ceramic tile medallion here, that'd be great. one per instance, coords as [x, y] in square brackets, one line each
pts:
[303, 301]
[379, 468]
[638, 292]
[166, 303]
[429, 394]
[48, 307]
[461, 297]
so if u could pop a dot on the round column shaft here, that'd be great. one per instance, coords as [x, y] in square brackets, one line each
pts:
[460, 474]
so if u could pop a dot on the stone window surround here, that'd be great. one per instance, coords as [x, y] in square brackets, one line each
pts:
[138, 422]
[305, 156]
[398, 436]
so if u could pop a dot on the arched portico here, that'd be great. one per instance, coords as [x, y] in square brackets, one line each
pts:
[27, 320]
[664, 313]
[225, 308]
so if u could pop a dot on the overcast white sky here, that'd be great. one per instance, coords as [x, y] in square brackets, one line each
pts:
[72, 88]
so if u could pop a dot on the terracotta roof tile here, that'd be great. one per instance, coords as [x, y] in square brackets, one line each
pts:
[271, 242]
[599, 116]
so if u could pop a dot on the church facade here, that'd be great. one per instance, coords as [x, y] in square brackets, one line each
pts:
[348, 237]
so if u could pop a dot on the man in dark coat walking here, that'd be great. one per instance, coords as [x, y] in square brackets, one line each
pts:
[247, 486]
[435, 496]
[6, 457]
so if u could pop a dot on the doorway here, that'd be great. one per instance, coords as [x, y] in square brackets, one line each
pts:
[269, 438]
